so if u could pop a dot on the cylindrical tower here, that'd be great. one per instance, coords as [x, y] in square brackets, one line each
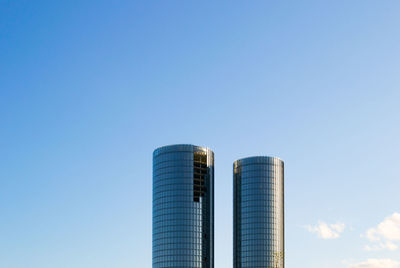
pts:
[258, 213]
[183, 207]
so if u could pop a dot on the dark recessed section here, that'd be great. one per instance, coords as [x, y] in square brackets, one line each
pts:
[199, 175]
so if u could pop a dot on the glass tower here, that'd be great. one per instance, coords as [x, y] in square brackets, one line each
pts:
[258, 213]
[183, 207]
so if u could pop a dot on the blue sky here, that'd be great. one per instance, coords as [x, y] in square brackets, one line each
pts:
[88, 89]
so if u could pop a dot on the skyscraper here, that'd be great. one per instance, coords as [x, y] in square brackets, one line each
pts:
[258, 213]
[183, 207]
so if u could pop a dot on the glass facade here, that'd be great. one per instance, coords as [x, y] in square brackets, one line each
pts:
[183, 207]
[258, 213]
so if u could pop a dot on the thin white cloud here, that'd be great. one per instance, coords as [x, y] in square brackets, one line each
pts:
[376, 263]
[326, 231]
[381, 246]
[385, 234]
